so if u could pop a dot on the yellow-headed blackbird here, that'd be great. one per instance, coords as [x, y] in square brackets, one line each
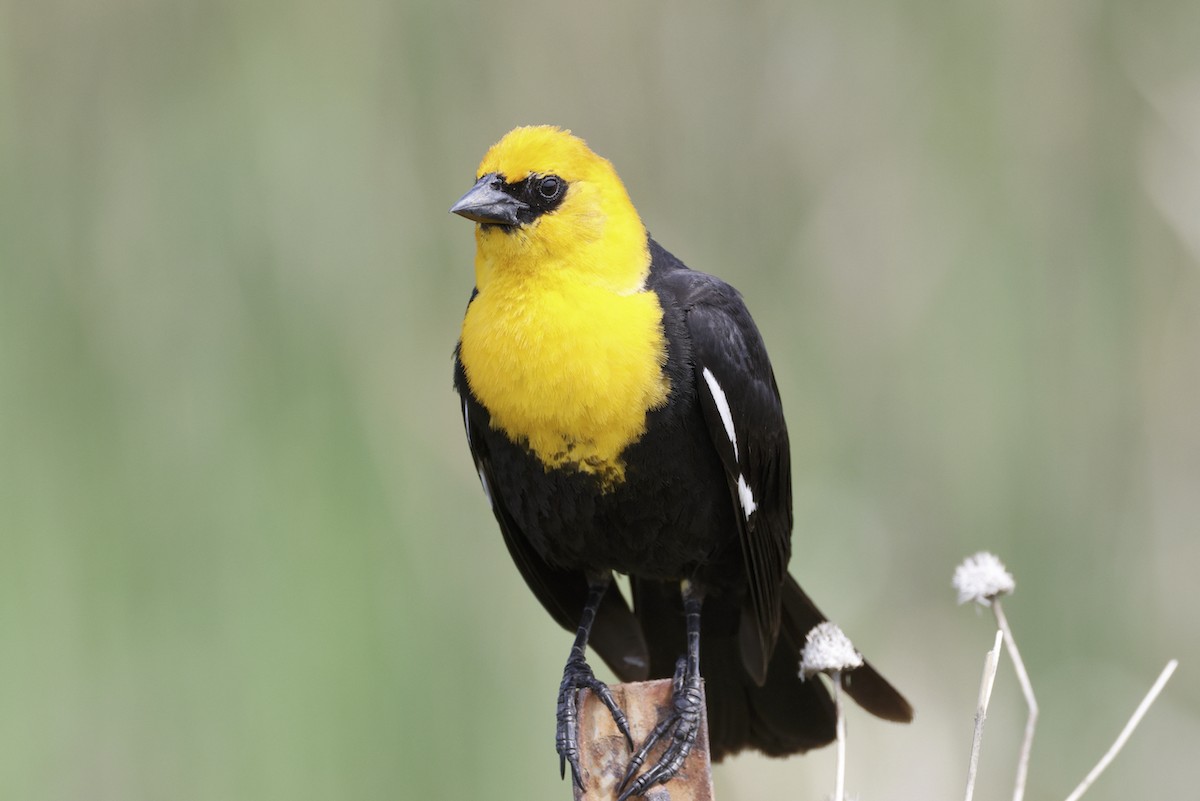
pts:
[623, 416]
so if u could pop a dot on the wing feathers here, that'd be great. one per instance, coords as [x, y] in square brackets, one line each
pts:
[741, 407]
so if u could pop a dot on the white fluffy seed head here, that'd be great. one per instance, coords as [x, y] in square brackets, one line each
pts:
[827, 650]
[982, 577]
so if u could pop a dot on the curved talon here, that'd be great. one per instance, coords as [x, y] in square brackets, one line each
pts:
[606, 697]
[683, 723]
[635, 763]
[577, 675]
[566, 742]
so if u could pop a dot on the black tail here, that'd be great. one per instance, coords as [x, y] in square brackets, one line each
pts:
[783, 716]
[869, 689]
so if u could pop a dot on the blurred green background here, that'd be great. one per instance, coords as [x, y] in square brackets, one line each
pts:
[243, 552]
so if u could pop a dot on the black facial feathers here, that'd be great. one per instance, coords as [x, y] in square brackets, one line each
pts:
[541, 194]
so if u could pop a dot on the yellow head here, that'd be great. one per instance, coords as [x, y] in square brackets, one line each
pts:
[545, 202]
[563, 342]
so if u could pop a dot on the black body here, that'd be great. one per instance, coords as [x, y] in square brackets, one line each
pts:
[677, 516]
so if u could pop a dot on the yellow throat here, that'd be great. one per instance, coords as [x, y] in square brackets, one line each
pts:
[563, 343]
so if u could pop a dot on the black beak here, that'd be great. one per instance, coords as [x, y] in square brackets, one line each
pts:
[487, 202]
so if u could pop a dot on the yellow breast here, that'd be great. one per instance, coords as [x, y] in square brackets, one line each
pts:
[566, 368]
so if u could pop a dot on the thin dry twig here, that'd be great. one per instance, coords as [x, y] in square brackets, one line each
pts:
[839, 786]
[828, 650]
[985, 697]
[1125, 732]
[1030, 701]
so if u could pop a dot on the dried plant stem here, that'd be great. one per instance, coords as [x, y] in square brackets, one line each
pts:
[839, 786]
[985, 697]
[1030, 701]
[1125, 732]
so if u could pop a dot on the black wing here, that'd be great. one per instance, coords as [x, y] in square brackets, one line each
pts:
[740, 402]
[616, 634]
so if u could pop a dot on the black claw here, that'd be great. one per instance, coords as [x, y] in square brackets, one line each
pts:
[577, 675]
[605, 695]
[683, 724]
[635, 763]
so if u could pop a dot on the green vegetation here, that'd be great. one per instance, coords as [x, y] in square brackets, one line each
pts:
[243, 552]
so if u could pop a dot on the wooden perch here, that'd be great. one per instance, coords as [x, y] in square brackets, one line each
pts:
[604, 755]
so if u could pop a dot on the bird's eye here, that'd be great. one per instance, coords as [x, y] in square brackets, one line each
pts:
[550, 187]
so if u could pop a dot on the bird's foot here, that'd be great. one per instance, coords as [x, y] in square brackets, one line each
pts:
[577, 675]
[682, 725]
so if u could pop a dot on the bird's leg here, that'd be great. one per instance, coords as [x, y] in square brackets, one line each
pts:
[577, 675]
[687, 707]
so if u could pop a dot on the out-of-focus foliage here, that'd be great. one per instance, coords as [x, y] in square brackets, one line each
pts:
[243, 554]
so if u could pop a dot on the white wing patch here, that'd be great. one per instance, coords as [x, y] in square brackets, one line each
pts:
[487, 491]
[745, 494]
[466, 422]
[722, 402]
[746, 497]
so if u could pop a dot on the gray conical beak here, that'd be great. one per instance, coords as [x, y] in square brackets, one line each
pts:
[487, 202]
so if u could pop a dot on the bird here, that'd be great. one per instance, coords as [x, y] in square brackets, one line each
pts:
[624, 418]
